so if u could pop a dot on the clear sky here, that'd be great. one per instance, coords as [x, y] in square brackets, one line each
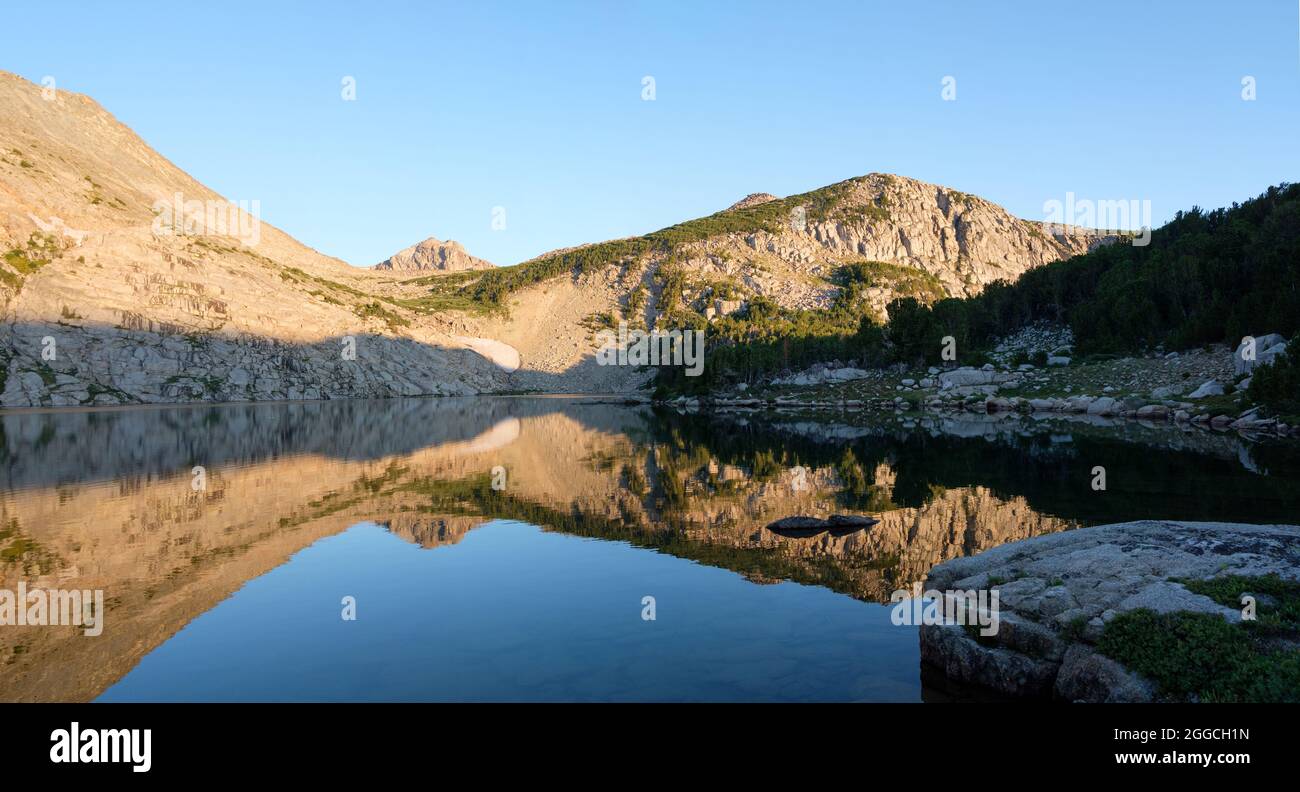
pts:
[537, 107]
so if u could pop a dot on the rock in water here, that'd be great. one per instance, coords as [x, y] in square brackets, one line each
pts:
[798, 524]
[807, 526]
[851, 521]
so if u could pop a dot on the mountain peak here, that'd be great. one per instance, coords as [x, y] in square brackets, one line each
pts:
[433, 254]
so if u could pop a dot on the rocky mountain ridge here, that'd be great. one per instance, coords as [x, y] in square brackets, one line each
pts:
[932, 241]
[124, 280]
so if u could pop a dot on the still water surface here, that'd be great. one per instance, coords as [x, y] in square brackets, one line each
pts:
[228, 583]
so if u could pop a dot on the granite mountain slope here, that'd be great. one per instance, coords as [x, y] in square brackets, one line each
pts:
[109, 295]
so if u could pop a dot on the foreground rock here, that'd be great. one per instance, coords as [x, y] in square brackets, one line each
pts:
[1057, 593]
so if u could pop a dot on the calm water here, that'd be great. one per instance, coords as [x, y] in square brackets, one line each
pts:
[502, 549]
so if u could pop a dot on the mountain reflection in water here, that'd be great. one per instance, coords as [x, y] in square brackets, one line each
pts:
[106, 499]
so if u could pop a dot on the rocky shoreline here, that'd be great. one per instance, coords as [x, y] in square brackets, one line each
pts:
[1059, 592]
[1248, 422]
[1206, 389]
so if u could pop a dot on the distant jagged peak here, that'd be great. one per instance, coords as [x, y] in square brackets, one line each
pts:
[433, 254]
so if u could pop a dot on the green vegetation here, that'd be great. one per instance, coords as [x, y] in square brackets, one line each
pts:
[46, 373]
[373, 310]
[674, 313]
[1073, 629]
[723, 289]
[860, 491]
[1277, 600]
[94, 194]
[302, 276]
[18, 548]
[95, 389]
[1201, 657]
[210, 384]
[603, 320]
[1278, 385]
[20, 262]
[451, 291]
[634, 481]
[765, 338]
[23, 162]
[635, 304]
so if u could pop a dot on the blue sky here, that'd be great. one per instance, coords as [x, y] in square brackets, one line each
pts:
[537, 107]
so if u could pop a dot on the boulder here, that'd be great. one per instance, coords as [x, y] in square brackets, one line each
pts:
[727, 307]
[1207, 388]
[1105, 405]
[968, 376]
[998, 404]
[948, 648]
[1162, 596]
[1257, 351]
[1167, 391]
[1088, 677]
[1078, 404]
[846, 374]
[1153, 412]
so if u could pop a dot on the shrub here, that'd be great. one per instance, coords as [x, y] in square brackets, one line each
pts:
[1277, 385]
[1201, 657]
